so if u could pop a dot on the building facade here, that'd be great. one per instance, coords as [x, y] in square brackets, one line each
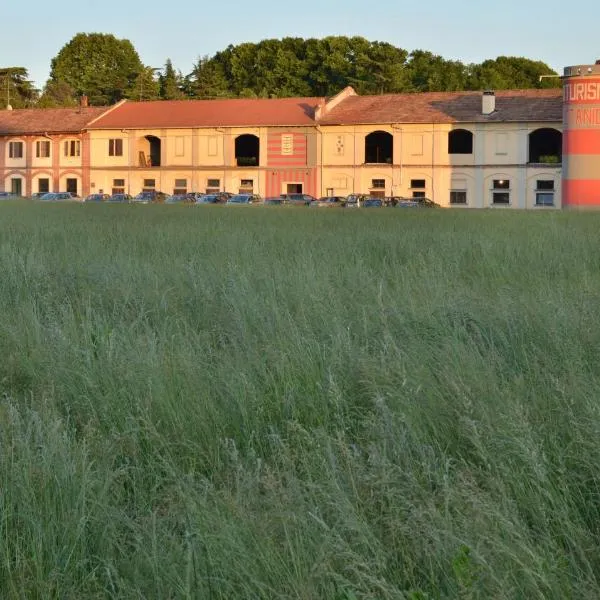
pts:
[464, 149]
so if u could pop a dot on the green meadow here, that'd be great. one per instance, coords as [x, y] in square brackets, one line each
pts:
[231, 402]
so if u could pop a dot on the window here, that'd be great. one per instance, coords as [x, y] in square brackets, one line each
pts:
[287, 144]
[501, 191]
[149, 185]
[179, 146]
[15, 149]
[16, 186]
[418, 194]
[247, 186]
[247, 150]
[118, 186]
[43, 185]
[115, 147]
[378, 183]
[544, 192]
[460, 141]
[42, 149]
[458, 191]
[458, 196]
[416, 184]
[379, 148]
[294, 188]
[72, 185]
[72, 148]
[545, 146]
[213, 186]
[180, 186]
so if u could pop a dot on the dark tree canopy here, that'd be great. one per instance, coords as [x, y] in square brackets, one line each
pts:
[98, 65]
[107, 69]
[16, 89]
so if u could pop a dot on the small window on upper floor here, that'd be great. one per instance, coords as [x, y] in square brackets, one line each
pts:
[115, 147]
[460, 141]
[15, 149]
[42, 149]
[417, 184]
[72, 148]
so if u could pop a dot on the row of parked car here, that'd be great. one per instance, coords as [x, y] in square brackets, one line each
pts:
[156, 197]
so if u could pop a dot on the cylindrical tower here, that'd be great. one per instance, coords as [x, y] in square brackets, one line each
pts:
[581, 136]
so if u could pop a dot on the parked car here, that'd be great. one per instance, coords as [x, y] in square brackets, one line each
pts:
[355, 200]
[178, 199]
[244, 199]
[208, 199]
[8, 196]
[298, 199]
[150, 198]
[97, 198]
[119, 199]
[328, 202]
[273, 201]
[416, 203]
[37, 195]
[373, 203]
[59, 197]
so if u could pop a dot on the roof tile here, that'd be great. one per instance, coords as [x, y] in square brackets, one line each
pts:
[47, 120]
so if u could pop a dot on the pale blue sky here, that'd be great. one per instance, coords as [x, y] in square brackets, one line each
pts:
[559, 33]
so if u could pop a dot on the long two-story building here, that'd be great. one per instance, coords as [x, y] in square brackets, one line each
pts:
[468, 149]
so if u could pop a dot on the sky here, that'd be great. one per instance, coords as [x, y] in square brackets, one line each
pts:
[558, 33]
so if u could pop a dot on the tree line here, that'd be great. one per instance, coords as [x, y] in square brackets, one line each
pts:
[107, 69]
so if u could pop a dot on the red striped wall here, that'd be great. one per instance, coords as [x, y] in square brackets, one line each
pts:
[276, 178]
[297, 158]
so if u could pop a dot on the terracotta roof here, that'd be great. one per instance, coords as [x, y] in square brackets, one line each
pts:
[47, 120]
[210, 113]
[446, 107]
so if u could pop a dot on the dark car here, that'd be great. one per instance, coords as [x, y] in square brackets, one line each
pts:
[120, 199]
[328, 202]
[59, 197]
[298, 199]
[150, 198]
[273, 201]
[208, 199]
[416, 203]
[244, 199]
[178, 199]
[372, 203]
[97, 198]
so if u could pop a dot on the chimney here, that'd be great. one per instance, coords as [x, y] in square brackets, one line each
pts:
[488, 102]
[83, 101]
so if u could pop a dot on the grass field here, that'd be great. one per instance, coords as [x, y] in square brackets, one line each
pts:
[276, 403]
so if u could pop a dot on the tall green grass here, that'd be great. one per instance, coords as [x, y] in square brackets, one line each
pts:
[278, 403]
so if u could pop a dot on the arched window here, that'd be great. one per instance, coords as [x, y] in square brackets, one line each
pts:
[247, 150]
[460, 141]
[379, 148]
[545, 146]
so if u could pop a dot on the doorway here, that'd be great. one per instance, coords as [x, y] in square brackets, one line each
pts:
[72, 186]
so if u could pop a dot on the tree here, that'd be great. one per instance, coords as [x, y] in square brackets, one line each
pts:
[510, 72]
[208, 79]
[146, 86]
[170, 83]
[98, 65]
[16, 89]
[56, 94]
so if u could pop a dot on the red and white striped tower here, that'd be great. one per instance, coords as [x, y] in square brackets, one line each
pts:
[581, 137]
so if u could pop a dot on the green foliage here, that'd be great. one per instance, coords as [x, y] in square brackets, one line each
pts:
[218, 403]
[98, 65]
[16, 89]
[170, 83]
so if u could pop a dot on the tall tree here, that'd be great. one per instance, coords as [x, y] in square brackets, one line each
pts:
[208, 79]
[170, 83]
[98, 65]
[511, 72]
[57, 94]
[16, 89]
[146, 86]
